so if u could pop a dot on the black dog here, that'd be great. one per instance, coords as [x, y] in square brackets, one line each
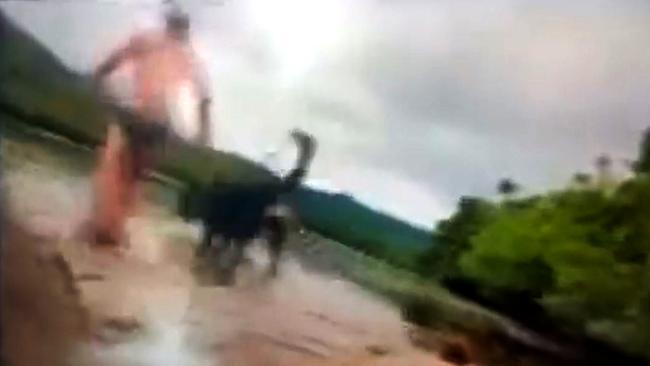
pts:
[234, 214]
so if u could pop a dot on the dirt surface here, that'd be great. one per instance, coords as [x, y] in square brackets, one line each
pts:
[148, 306]
[42, 320]
[170, 318]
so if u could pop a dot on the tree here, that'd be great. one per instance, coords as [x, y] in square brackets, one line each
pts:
[642, 164]
[507, 187]
[603, 162]
[583, 255]
[452, 237]
[604, 169]
[582, 179]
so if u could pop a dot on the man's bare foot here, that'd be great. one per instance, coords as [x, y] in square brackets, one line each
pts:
[119, 251]
[103, 238]
[85, 231]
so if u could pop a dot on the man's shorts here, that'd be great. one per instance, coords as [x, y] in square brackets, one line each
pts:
[141, 133]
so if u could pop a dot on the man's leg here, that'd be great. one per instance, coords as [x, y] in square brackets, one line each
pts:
[143, 159]
[147, 150]
[110, 210]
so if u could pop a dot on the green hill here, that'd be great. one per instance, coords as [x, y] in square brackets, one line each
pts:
[349, 221]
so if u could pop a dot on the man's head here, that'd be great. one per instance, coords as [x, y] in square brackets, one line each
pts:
[177, 23]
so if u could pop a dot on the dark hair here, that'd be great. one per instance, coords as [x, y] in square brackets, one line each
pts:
[177, 18]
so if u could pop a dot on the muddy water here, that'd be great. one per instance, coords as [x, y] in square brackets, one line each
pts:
[297, 319]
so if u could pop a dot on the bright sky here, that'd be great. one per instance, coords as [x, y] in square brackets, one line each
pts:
[415, 103]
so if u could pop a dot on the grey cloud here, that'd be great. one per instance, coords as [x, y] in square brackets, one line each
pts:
[518, 116]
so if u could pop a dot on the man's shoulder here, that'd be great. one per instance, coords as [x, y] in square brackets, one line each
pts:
[146, 38]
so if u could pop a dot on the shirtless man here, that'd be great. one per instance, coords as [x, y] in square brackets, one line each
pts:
[162, 62]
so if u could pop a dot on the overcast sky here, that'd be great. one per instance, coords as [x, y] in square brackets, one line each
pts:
[415, 103]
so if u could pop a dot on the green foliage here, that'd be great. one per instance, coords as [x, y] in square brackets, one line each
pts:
[581, 253]
[642, 165]
[504, 249]
[452, 237]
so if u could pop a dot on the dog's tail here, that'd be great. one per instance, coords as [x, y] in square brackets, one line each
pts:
[306, 149]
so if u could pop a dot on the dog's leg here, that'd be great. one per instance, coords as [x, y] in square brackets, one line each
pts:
[227, 273]
[220, 254]
[239, 246]
[275, 247]
[275, 232]
[206, 242]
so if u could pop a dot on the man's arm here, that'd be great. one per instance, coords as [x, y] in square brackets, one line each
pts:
[205, 132]
[204, 102]
[106, 67]
[113, 61]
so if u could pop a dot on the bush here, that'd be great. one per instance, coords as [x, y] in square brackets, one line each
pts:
[580, 254]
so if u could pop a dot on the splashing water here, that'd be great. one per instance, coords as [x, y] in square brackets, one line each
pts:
[164, 345]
